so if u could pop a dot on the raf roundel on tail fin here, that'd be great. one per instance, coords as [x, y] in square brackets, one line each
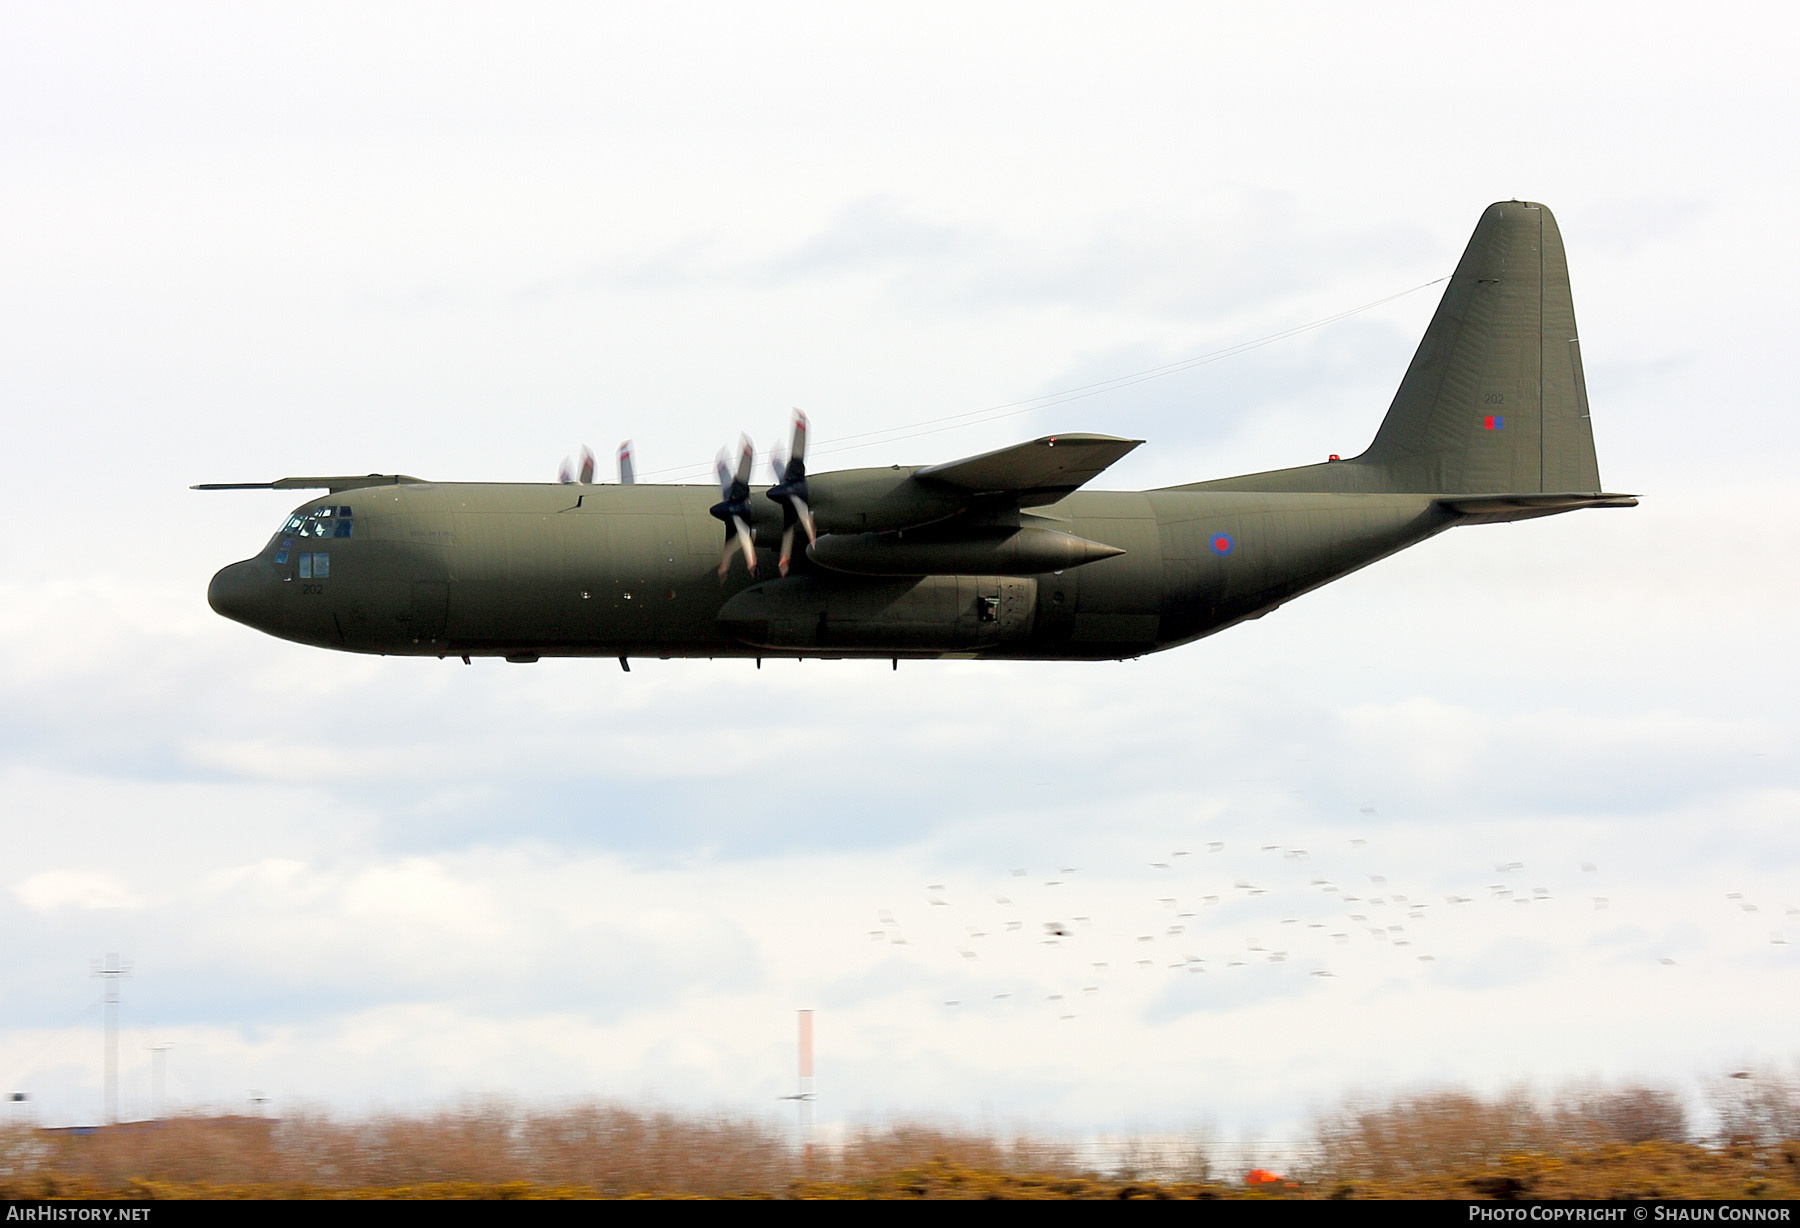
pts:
[1495, 401]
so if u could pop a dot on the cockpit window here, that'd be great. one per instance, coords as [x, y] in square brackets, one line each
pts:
[332, 521]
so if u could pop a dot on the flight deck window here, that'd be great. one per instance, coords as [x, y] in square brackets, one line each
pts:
[315, 566]
[321, 522]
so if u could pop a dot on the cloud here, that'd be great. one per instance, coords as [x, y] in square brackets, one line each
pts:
[53, 889]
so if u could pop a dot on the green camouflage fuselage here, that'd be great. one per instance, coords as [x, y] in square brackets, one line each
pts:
[561, 570]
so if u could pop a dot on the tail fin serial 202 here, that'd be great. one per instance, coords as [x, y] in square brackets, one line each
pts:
[1494, 403]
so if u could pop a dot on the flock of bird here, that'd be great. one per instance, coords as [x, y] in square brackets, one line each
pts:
[1064, 937]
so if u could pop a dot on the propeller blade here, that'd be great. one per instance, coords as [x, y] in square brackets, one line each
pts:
[566, 474]
[587, 465]
[746, 459]
[790, 491]
[743, 532]
[804, 515]
[627, 470]
[740, 540]
[798, 451]
[733, 507]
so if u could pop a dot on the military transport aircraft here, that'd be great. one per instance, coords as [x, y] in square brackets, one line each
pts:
[998, 555]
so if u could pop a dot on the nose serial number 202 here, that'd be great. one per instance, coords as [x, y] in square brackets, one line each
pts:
[312, 590]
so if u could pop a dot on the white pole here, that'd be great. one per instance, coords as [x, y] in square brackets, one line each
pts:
[111, 970]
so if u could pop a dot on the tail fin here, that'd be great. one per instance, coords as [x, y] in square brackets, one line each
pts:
[1494, 401]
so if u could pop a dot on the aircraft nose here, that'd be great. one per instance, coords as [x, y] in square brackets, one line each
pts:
[243, 592]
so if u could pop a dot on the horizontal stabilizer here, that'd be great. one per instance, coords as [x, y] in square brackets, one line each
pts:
[1041, 471]
[1491, 509]
[332, 484]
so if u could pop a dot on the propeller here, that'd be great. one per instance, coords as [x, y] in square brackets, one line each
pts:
[790, 491]
[567, 473]
[733, 507]
[627, 471]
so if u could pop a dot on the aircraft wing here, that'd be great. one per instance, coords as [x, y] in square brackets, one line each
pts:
[331, 484]
[1038, 472]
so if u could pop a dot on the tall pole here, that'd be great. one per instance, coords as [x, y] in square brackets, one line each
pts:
[158, 1069]
[110, 970]
[804, 1094]
[806, 1085]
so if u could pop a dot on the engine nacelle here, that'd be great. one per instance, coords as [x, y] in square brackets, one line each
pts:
[880, 500]
[1002, 550]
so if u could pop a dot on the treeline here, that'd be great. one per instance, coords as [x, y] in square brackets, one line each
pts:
[1583, 1142]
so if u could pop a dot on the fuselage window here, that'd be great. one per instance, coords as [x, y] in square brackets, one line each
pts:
[281, 554]
[315, 566]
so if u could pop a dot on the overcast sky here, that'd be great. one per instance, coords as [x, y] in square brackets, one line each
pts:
[460, 241]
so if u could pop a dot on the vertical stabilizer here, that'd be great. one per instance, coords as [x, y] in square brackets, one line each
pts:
[1494, 401]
